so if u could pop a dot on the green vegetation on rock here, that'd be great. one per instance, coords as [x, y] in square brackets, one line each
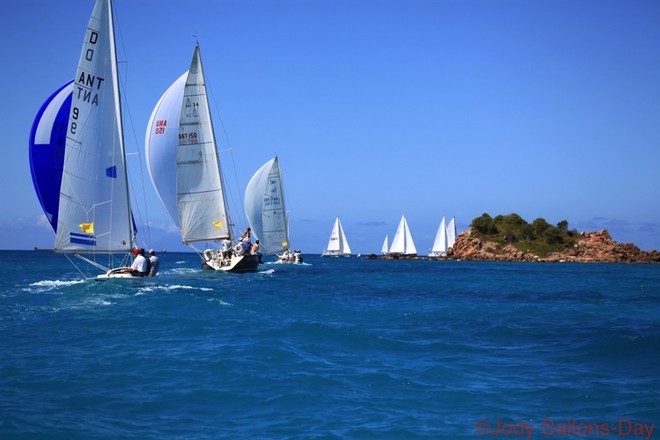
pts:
[539, 237]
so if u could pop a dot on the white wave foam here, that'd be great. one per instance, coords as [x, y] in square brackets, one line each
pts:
[221, 302]
[56, 283]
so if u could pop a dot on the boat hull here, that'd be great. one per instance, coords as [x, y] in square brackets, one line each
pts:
[120, 273]
[213, 259]
[335, 254]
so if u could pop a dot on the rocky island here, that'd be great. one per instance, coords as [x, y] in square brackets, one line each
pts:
[511, 238]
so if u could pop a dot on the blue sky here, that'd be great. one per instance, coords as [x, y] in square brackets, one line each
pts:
[375, 108]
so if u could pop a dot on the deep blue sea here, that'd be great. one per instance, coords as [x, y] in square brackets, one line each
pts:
[331, 349]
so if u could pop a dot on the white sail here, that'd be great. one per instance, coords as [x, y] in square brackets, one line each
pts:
[451, 233]
[161, 142]
[94, 209]
[385, 249]
[265, 208]
[337, 244]
[402, 243]
[440, 244]
[202, 206]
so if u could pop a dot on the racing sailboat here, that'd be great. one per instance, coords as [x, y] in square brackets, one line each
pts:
[78, 159]
[184, 166]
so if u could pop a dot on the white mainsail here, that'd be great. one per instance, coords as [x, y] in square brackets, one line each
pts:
[203, 213]
[265, 208]
[402, 243]
[94, 214]
[451, 233]
[385, 249]
[183, 159]
[440, 244]
[337, 244]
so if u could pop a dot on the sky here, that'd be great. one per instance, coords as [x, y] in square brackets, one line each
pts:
[375, 108]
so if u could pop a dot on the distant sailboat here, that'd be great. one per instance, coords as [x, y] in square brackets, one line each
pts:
[386, 248]
[451, 233]
[440, 244]
[78, 158]
[402, 243]
[266, 210]
[337, 244]
[183, 162]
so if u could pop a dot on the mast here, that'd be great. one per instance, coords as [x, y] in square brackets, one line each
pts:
[120, 118]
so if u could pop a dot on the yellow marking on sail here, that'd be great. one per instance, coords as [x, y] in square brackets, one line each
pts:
[217, 224]
[285, 244]
[87, 228]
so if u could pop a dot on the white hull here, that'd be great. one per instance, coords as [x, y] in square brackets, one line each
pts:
[334, 254]
[117, 274]
[289, 258]
[213, 259]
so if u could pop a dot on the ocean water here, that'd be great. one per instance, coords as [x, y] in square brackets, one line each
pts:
[331, 349]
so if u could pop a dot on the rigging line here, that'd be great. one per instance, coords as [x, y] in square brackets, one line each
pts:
[76, 266]
[123, 81]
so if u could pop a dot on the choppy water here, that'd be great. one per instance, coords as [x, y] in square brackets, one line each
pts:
[332, 349]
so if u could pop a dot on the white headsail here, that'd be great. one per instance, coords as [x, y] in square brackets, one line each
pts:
[385, 249]
[451, 233]
[265, 208]
[94, 208]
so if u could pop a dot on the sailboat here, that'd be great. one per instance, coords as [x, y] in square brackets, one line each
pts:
[439, 248]
[402, 243]
[183, 163]
[78, 158]
[385, 249]
[337, 244]
[266, 211]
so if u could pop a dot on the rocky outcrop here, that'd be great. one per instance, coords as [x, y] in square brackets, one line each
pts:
[592, 247]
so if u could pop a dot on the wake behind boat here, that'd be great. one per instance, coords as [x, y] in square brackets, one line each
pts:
[184, 166]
